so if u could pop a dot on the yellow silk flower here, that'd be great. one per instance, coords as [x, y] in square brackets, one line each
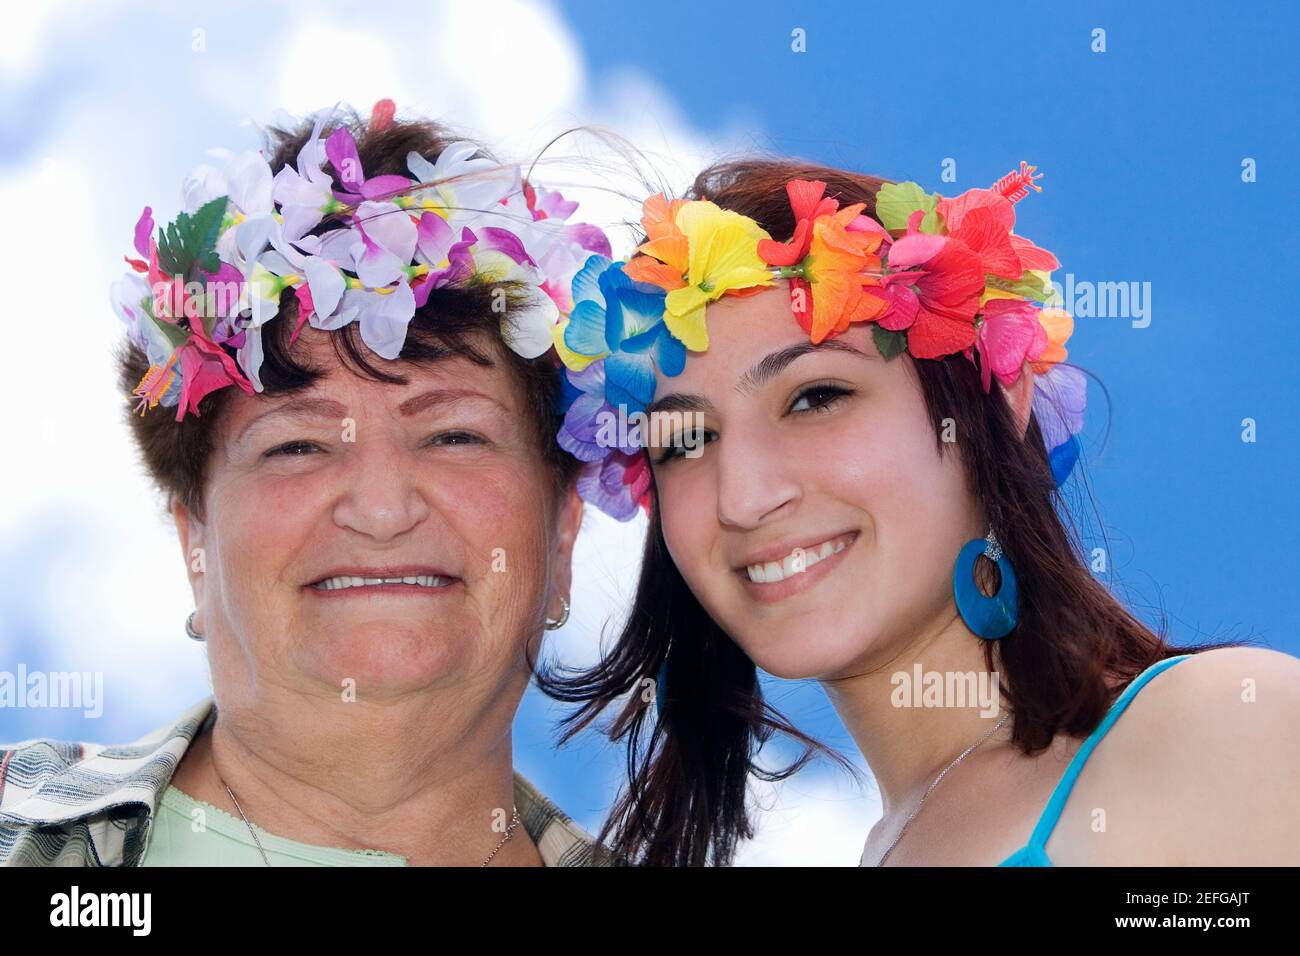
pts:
[723, 257]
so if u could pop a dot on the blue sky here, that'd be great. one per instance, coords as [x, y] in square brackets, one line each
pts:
[105, 108]
[1141, 147]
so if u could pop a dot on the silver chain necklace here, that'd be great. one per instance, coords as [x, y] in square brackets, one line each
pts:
[510, 830]
[942, 773]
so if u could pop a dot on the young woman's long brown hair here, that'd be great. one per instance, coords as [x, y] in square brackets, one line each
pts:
[1074, 646]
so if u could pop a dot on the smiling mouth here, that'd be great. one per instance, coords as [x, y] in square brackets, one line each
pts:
[414, 581]
[798, 560]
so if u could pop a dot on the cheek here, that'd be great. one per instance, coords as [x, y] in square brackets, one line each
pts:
[920, 509]
[894, 470]
[500, 517]
[687, 512]
[260, 527]
[497, 523]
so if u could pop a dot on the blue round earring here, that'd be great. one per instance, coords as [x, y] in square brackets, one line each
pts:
[987, 617]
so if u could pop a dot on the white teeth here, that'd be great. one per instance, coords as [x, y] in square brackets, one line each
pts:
[796, 562]
[348, 581]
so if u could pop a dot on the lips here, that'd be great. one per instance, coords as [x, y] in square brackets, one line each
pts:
[414, 576]
[771, 582]
[780, 550]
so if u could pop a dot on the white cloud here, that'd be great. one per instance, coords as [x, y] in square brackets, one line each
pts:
[818, 817]
[26, 35]
[606, 561]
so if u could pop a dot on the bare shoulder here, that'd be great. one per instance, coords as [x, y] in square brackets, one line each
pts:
[1215, 741]
[1224, 684]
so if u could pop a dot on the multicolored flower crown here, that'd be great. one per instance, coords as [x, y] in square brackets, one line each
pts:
[198, 298]
[933, 277]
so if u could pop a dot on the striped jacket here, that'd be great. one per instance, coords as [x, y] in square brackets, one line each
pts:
[75, 804]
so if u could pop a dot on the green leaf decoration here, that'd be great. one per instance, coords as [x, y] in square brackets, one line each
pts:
[889, 343]
[1051, 295]
[191, 241]
[895, 203]
[1032, 284]
[174, 334]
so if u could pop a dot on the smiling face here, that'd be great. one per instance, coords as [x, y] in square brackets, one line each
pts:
[433, 496]
[827, 449]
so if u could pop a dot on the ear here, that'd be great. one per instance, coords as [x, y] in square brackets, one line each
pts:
[1020, 397]
[190, 532]
[568, 523]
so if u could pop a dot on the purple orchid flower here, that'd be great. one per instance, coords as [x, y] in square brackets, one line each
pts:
[1060, 398]
[619, 485]
[590, 431]
[304, 194]
[435, 246]
[550, 204]
[341, 149]
[387, 240]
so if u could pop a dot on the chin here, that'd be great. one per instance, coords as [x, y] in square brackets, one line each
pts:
[797, 654]
[385, 658]
[810, 635]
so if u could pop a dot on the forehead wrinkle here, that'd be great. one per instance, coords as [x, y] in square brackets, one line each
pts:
[299, 408]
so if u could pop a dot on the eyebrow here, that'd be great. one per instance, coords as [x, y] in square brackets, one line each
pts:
[763, 371]
[317, 408]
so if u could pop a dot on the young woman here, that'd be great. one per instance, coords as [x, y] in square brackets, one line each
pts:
[866, 408]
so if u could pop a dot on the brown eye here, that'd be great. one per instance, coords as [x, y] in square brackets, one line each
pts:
[678, 447]
[293, 449]
[456, 438]
[816, 398]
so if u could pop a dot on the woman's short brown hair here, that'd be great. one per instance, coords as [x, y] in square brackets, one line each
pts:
[458, 321]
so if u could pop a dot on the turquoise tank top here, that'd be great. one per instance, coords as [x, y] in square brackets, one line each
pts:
[1034, 853]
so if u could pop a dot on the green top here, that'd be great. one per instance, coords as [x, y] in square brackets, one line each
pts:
[75, 803]
[189, 832]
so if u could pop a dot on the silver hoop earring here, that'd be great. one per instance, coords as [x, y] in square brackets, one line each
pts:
[564, 616]
[189, 628]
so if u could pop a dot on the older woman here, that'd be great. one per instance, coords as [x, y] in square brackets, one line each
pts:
[376, 521]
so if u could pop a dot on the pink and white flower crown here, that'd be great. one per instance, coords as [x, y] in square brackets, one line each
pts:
[203, 289]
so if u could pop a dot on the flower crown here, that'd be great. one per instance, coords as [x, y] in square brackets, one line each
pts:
[196, 301]
[933, 277]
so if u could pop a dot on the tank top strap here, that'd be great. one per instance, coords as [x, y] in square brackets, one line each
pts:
[1056, 804]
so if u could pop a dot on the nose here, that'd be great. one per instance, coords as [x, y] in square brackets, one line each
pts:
[756, 481]
[383, 499]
